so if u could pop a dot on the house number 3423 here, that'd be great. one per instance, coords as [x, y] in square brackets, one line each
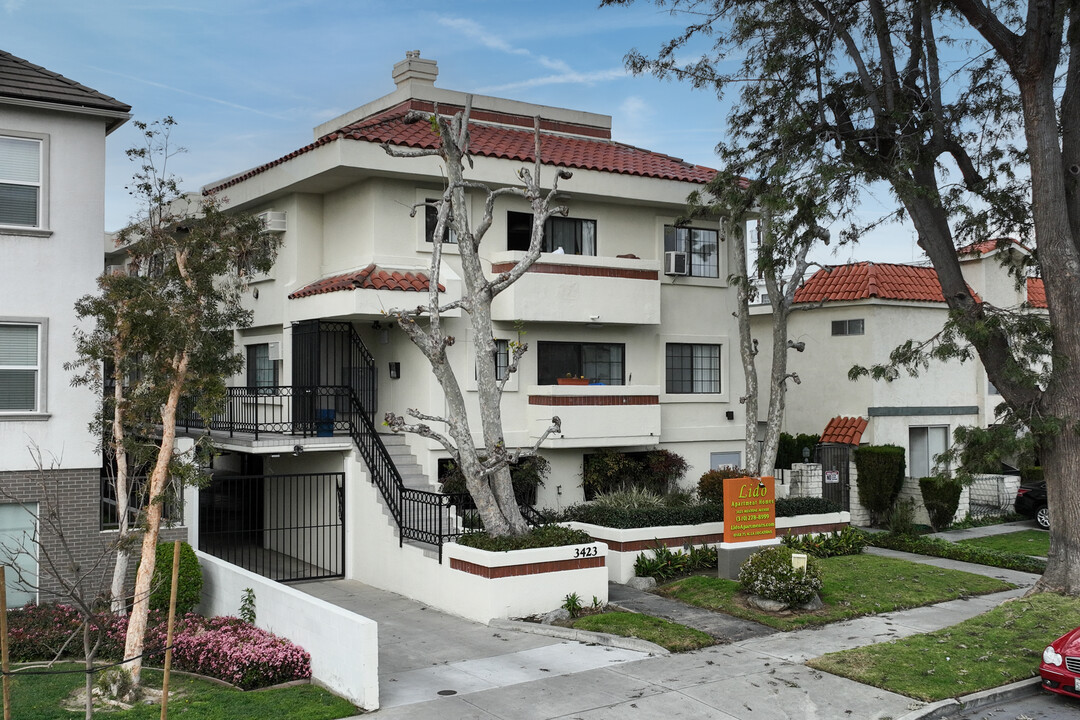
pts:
[587, 551]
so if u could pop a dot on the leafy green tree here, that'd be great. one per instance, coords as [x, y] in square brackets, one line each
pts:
[165, 329]
[969, 112]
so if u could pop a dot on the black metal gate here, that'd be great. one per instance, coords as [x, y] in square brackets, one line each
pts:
[284, 527]
[834, 461]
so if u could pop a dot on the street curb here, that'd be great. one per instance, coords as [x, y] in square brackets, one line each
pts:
[585, 636]
[943, 709]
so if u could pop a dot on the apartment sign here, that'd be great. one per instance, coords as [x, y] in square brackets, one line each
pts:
[749, 509]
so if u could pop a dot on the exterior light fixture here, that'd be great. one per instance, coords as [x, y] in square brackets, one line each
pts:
[806, 454]
[395, 371]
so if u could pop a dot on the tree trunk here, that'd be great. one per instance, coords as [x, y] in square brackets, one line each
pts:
[118, 603]
[747, 351]
[134, 642]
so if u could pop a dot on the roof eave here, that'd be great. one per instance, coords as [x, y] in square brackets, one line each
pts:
[113, 118]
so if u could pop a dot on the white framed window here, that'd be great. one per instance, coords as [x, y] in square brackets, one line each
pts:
[431, 220]
[18, 531]
[263, 368]
[23, 171]
[22, 355]
[569, 236]
[924, 444]
[848, 327]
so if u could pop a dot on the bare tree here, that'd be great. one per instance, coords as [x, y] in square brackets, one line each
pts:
[486, 469]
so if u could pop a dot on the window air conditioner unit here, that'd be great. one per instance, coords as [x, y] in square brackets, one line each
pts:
[274, 221]
[676, 263]
[273, 351]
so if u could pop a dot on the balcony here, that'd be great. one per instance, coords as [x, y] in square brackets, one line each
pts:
[596, 415]
[580, 289]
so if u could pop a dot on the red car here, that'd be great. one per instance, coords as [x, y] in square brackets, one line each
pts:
[1060, 666]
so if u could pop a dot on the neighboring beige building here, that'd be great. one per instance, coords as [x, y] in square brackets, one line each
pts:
[600, 303]
[52, 215]
[857, 314]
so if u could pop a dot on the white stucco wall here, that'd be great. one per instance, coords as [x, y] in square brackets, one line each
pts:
[41, 277]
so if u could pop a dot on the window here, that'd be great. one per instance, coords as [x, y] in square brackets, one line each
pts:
[171, 507]
[20, 182]
[502, 359]
[262, 372]
[18, 531]
[701, 246]
[597, 362]
[572, 236]
[924, 444]
[431, 219]
[20, 367]
[847, 327]
[693, 368]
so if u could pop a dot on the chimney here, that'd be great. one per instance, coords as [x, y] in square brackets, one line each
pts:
[415, 69]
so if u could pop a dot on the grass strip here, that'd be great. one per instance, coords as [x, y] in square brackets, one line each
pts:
[854, 585]
[936, 547]
[1023, 542]
[671, 636]
[41, 697]
[992, 649]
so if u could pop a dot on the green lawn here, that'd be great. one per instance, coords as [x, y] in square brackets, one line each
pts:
[669, 635]
[995, 648]
[1024, 542]
[854, 585]
[40, 697]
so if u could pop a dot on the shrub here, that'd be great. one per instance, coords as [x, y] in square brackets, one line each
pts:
[188, 584]
[704, 512]
[900, 520]
[546, 536]
[768, 573]
[848, 541]
[938, 547]
[610, 471]
[526, 475]
[229, 649]
[631, 499]
[941, 496]
[789, 450]
[1031, 475]
[664, 563]
[881, 474]
[711, 485]
[790, 507]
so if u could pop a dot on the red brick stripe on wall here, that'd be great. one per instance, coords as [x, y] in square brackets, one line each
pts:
[493, 573]
[598, 400]
[681, 541]
[587, 271]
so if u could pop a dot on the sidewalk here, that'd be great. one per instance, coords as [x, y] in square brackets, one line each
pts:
[756, 674]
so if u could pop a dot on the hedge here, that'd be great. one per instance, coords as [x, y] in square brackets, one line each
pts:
[625, 519]
[881, 475]
[936, 547]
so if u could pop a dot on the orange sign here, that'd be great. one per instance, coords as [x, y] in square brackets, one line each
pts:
[749, 509]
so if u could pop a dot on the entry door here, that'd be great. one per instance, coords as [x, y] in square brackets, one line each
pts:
[18, 551]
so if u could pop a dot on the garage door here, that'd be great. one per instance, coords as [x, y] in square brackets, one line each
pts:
[18, 552]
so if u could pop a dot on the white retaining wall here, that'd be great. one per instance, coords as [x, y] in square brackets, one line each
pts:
[344, 646]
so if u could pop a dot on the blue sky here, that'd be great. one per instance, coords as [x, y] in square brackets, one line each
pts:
[247, 80]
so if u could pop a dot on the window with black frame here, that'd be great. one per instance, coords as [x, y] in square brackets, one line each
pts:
[702, 247]
[431, 220]
[262, 372]
[573, 236]
[693, 368]
[601, 363]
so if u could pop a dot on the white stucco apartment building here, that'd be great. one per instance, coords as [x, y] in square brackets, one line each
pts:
[52, 205]
[600, 303]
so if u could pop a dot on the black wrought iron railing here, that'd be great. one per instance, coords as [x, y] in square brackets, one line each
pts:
[424, 516]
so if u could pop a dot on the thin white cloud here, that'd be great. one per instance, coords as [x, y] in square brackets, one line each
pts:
[11, 6]
[563, 73]
[189, 93]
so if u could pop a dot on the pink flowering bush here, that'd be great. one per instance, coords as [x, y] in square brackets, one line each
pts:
[226, 648]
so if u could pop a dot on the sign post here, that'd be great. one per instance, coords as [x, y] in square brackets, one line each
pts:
[749, 522]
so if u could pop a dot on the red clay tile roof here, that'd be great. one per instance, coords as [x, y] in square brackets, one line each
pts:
[510, 143]
[370, 278]
[1036, 293]
[985, 246]
[863, 280]
[844, 430]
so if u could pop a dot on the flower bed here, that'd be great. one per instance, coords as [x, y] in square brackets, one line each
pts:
[225, 648]
[624, 544]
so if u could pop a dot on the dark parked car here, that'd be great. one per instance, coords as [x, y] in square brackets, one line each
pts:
[1031, 502]
[1060, 666]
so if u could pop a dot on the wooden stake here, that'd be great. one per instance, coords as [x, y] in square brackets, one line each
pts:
[4, 645]
[169, 632]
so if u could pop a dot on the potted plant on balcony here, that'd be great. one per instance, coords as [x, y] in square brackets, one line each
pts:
[571, 380]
